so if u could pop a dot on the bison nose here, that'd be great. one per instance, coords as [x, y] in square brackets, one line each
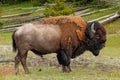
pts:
[103, 45]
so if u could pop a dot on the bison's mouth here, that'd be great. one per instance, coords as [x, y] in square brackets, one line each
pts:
[96, 53]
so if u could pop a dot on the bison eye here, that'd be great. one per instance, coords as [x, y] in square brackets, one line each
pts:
[97, 36]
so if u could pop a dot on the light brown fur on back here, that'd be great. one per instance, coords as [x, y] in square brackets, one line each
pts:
[80, 23]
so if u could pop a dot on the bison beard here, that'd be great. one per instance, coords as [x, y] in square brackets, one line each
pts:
[67, 36]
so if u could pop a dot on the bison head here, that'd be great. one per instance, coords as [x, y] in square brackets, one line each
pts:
[96, 37]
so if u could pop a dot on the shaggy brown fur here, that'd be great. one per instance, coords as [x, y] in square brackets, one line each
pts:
[77, 20]
[68, 36]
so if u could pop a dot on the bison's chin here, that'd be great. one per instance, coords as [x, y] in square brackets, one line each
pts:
[96, 53]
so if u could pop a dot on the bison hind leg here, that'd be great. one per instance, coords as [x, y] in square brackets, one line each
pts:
[23, 62]
[21, 57]
[17, 60]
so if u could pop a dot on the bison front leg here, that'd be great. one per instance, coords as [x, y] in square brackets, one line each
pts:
[64, 55]
[64, 60]
[66, 67]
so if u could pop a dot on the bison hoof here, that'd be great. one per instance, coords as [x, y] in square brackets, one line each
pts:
[27, 72]
[16, 73]
[66, 69]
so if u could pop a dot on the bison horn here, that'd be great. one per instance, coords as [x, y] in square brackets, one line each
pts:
[92, 27]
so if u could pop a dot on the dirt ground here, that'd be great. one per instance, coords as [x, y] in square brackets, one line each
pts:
[6, 71]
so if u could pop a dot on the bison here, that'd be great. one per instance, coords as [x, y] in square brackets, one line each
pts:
[67, 36]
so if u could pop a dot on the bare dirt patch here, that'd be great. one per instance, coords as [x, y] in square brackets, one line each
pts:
[6, 71]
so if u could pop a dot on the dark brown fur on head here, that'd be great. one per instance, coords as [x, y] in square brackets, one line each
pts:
[96, 41]
[93, 42]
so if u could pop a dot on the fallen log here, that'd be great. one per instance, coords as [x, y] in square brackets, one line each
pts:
[110, 19]
[20, 8]
[32, 61]
[7, 30]
[6, 59]
[83, 8]
[13, 27]
[97, 11]
[40, 9]
[80, 8]
[10, 27]
[82, 12]
[103, 17]
[15, 15]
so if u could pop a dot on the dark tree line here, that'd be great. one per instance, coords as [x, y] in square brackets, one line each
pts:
[11, 1]
[43, 1]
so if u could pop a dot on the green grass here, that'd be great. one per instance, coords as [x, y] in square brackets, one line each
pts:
[17, 12]
[100, 14]
[112, 46]
[5, 38]
[17, 20]
[13, 21]
[20, 5]
[6, 10]
[91, 72]
[113, 27]
[111, 51]
[15, 9]
[52, 73]
[114, 41]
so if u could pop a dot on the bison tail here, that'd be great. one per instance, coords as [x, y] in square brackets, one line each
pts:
[13, 43]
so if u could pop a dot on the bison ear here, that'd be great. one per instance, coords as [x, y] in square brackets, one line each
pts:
[91, 29]
[80, 35]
